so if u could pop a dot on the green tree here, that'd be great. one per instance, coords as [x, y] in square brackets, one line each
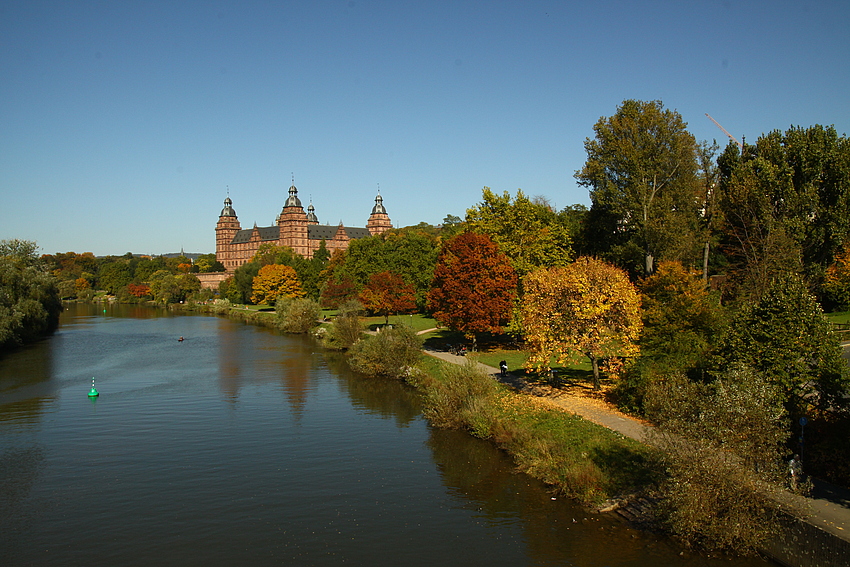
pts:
[589, 308]
[642, 170]
[29, 298]
[474, 286]
[787, 196]
[786, 337]
[208, 263]
[530, 233]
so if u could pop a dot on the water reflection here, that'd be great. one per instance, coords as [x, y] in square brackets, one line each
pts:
[26, 388]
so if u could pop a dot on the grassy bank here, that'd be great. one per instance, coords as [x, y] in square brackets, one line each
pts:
[578, 458]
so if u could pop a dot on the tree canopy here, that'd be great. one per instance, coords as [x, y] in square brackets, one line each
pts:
[29, 298]
[785, 336]
[474, 285]
[589, 308]
[642, 170]
[273, 281]
[530, 233]
[387, 294]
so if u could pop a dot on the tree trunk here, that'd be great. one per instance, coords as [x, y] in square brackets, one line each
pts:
[650, 264]
[595, 363]
[705, 262]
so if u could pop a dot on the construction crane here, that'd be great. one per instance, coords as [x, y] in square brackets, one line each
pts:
[731, 137]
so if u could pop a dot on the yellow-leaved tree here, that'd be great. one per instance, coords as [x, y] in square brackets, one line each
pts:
[588, 308]
[273, 281]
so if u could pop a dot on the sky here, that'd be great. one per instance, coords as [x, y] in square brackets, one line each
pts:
[124, 125]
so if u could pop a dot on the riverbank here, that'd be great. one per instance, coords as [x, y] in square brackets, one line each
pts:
[814, 530]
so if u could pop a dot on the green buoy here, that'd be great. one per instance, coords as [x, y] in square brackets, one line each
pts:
[93, 393]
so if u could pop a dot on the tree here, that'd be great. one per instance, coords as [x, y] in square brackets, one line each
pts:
[682, 324]
[207, 263]
[837, 279]
[787, 196]
[273, 281]
[588, 308]
[29, 298]
[785, 336]
[474, 286]
[530, 233]
[337, 291]
[386, 294]
[642, 169]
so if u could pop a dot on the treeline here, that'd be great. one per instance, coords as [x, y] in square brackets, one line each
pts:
[129, 278]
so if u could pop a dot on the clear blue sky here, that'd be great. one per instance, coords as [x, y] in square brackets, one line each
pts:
[123, 123]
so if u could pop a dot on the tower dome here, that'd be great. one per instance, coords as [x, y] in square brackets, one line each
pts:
[293, 200]
[227, 211]
[311, 214]
[379, 206]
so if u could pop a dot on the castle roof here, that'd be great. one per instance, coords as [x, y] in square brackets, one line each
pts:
[314, 232]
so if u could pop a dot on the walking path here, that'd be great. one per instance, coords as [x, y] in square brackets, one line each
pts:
[828, 507]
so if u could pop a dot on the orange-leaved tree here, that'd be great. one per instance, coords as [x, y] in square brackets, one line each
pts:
[273, 281]
[387, 293]
[589, 308]
[474, 286]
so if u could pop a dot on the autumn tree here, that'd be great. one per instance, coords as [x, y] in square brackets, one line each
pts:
[528, 232]
[474, 286]
[273, 281]
[682, 323]
[589, 308]
[337, 291]
[386, 294]
[642, 170]
[837, 279]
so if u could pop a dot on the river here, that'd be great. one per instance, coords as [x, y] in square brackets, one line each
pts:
[242, 446]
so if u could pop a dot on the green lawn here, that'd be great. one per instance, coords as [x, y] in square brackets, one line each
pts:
[840, 317]
[417, 321]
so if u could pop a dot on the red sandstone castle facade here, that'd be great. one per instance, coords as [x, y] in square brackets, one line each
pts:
[296, 229]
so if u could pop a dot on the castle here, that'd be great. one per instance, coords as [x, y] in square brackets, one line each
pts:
[296, 229]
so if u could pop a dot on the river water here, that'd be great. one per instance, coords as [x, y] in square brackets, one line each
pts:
[242, 446]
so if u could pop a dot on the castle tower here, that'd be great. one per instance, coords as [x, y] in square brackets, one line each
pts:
[292, 224]
[226, 228]
[379, 221]
[311, 215]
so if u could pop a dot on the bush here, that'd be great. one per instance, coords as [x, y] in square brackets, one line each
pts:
[392, 352]
[296, 315]
[346, 329]
[723, 447]
[460, 399]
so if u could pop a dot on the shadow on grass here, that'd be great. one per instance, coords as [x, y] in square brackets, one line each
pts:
[627, 469]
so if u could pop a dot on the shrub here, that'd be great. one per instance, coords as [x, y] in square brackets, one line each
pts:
[346, 329]
[392, 352]
[297, 315]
